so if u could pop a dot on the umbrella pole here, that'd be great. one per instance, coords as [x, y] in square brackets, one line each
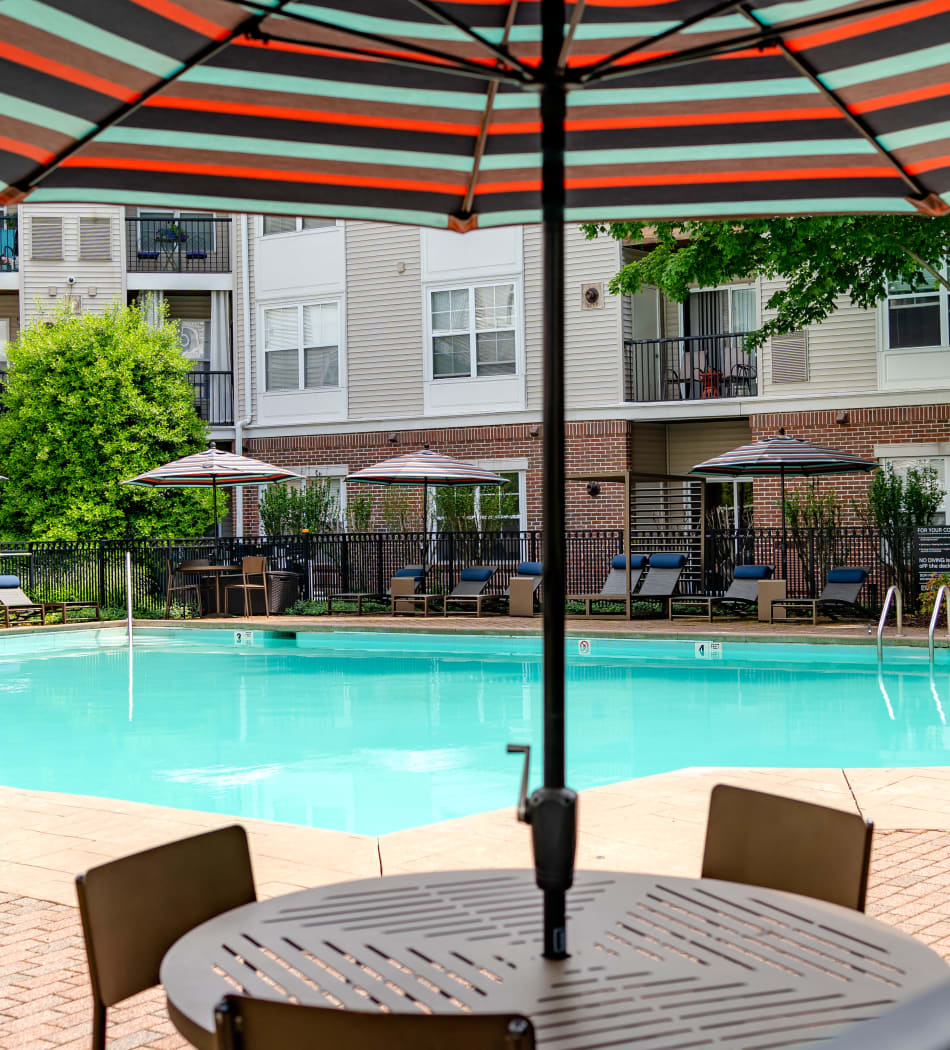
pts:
[425, 527]
[784, 537]
[552, 808]
[214, 500]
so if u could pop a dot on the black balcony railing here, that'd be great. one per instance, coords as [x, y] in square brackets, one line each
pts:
[689, 368]
[214, 397]
[167, 245]
[9, 244]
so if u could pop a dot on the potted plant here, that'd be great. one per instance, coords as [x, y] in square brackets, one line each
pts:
[171, 233]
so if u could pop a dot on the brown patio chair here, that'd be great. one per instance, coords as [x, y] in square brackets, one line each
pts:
[17, 606]
[253, 569]
[181, 582]
[263, 1024]
[134, 909]
[785, 844]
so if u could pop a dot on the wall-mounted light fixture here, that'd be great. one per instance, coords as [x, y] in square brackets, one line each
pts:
[593, 489]
[393, 438]
[842, 418]
[535, 432]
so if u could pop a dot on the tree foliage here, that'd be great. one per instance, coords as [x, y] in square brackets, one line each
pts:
[286, 510]
[90, 401]
[820, 257]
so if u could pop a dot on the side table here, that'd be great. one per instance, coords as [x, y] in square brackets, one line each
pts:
[769, 591]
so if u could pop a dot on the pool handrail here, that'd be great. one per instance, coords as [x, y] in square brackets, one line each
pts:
[943, 593]
[892, 592]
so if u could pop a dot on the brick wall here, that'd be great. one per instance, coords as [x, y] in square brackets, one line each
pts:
[865, 428]
[591, 446]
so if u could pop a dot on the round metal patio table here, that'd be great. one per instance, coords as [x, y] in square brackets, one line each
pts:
[656, 963]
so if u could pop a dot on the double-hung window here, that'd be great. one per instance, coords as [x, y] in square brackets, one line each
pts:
[292, 224]
[473, 331]
[479, 508]
[916, 314]
[301, 347]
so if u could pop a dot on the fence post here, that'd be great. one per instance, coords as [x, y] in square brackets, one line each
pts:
[344, 563]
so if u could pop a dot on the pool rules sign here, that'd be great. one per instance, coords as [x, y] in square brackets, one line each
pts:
[933, 552]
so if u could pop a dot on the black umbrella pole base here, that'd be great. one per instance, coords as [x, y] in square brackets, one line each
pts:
[552, 813]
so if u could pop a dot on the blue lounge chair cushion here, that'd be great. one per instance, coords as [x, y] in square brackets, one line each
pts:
[9, 581]
[752, 572]
[667, 561]
[637, 561]
[847, 575]
[483, 573]
[415, 573]
[530, 568]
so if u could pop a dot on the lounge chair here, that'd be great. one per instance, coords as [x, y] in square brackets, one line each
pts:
[841, 590]
[743, 591]
[523, 588]
[17, 607]
[662, 579]
[785, 844]
[614, 588]
[409, 572]
[469, 590]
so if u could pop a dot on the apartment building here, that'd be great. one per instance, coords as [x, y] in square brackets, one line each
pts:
[326, 346]
[91, 256]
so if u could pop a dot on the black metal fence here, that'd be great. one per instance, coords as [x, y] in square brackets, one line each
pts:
[214, 397]
[166, 244]
[688, 368]
[365, 562]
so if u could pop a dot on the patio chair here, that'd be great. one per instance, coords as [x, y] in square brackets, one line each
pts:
[470, 588]
[614, 587]
[134, 909]
[662, 579]
[253, 568]
[180, 581]
[523, 588]
[17, 606]
[741, 593]
[785, 844]
[841, 590]
[262, 1024]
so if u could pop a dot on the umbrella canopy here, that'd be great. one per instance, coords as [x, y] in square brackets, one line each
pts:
[212, 469]
[783, 456]
[426, 467]
[425, 112]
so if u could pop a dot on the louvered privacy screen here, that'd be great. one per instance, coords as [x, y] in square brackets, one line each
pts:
[95, 238]
[790, 357]
[46, 234]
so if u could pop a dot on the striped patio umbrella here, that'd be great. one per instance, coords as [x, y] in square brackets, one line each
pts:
[426, 468]
[426, 112]
[783, 456]
[212, 469]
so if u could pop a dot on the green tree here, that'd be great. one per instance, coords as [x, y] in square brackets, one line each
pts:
[90, 401]
[820, 258]
[285, 510]
[814, 521]
[898, 508]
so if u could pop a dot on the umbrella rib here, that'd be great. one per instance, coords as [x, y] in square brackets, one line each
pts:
[208, 51]
[763, 38]
[515, 76]
[482, 139]
[499, 50]
[576, 15]
[806, 69]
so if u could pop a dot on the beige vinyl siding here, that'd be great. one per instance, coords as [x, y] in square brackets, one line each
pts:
[670, 318]
[593, 340]
[384, 321]
[533, 330]
[105, 276]
[648, 448]
[691, 443]
[842, 351]
[239, 349]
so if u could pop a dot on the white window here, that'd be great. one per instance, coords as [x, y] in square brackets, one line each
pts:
[473, 331]
[160, 229]
[916, 315]
[722, 310]
[336, 490]
[903, 464]
[273, 224]
[477, 508]
[302, 347]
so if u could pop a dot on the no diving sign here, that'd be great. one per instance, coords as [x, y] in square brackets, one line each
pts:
[707, 650]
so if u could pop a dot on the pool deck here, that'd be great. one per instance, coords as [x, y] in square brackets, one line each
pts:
[651, 824]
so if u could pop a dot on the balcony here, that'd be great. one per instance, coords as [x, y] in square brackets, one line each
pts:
[689, 368]
[214, 397]
[9, 244]
[178, 245]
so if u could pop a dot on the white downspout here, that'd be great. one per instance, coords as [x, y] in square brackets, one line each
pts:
[246, 319]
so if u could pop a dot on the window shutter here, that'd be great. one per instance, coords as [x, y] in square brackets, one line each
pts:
[47, 237]
[790, 357]
[95, 238]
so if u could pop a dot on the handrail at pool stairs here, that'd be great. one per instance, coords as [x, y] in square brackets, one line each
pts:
[943, 595]
[892, 592]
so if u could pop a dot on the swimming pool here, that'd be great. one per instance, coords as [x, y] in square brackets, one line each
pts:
[373, 732]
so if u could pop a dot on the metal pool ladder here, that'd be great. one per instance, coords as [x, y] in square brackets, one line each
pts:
[892, 592]
[943, 595]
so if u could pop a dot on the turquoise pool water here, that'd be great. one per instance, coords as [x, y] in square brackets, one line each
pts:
[374, 732]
